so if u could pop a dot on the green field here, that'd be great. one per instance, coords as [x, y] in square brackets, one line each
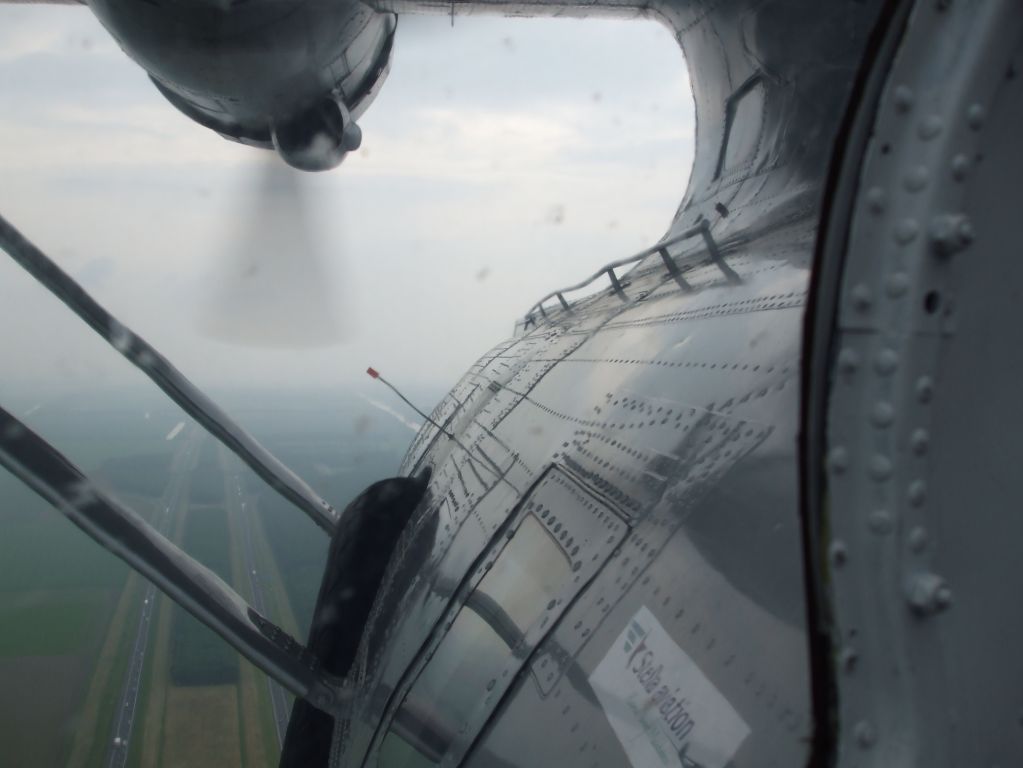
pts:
[58, 589]
[198, 656]
[57, 593]
[144, 474]
[207, 485]
[38, 706]
[50, 623]
[41, 550]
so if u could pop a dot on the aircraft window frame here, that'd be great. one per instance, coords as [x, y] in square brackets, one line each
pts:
[583, 531]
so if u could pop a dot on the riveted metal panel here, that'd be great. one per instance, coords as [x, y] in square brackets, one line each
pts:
[676, 401]
[923, 418]
[585, 531]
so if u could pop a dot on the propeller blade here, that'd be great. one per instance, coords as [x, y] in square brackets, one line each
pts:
[275, 289]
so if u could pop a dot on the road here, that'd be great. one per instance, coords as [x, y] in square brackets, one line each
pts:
[183, 462]
[278, 698]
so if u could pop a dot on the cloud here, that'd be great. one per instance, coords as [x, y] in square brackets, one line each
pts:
[67, 30]
[461, 169]
[69, 136]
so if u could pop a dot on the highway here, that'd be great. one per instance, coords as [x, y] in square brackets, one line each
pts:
[125, 718]
[278, 698]
[171, 502]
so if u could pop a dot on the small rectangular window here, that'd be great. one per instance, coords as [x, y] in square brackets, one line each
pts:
[479, 647]
[517, 600]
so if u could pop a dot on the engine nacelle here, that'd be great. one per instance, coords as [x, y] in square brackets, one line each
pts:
[290, 75]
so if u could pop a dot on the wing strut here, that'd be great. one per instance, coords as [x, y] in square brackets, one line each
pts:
[168, 378]
[193, 586]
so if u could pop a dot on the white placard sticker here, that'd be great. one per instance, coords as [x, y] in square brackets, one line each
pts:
[663, 709]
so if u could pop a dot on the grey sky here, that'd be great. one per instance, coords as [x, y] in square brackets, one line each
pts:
[502, 159]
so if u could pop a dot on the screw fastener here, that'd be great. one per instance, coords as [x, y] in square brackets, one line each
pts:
[876, 199]
[883, 414]
[960, 167]
[906, 231]
[919, 441]
[848, 360]
[839, 554]
[918, 539]
[848, 659]
[929, 127]
[880, 522]
[951, 233]
[886, 362]
[864, 733]
[975, 115]
[861, 297]
[838, 459]
[903, 98]
[927, 593]
[897, 284]
[924, 389]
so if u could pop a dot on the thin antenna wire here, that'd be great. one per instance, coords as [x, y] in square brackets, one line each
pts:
[489, 465]
[374, 373]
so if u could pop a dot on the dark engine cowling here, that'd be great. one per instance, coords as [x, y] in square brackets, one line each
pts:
[292, 75]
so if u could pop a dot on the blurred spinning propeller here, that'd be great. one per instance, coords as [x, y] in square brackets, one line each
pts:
[275, 289]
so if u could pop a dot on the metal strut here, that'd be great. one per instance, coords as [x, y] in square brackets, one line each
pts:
[673, 270]
[168, 378]
[702, 229]
[189, 583]
[715, 254]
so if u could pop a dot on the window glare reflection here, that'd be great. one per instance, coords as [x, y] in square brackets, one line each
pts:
[530, 573]
[491, 627]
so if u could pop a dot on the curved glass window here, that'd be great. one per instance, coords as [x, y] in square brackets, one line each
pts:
[480, 648]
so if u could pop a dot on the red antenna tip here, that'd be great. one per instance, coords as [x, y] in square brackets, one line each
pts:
[373, 372]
